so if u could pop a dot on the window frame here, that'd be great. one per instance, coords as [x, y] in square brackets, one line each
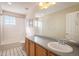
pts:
[9, 20]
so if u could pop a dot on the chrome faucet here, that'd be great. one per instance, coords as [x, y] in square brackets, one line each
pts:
[61, 41]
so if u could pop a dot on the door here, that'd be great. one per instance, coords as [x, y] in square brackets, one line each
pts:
[32, 48]
[27, 46]
[51, 54]
[72, 24]
[40, 51]
[13, 29]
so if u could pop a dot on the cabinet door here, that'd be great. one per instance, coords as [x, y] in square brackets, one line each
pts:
[51, 54]
[40, 51]
[27, 44]
[32, 48]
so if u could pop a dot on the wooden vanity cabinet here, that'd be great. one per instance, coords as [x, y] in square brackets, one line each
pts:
[50, 53]
[27, 46]
[40, 51]
[33, 49]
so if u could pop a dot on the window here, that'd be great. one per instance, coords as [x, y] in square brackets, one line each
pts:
[9, 20]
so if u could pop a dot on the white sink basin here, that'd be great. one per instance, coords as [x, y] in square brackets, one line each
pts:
[56, 46]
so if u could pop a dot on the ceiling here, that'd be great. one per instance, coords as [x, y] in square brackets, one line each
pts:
[18, 7]
[26, 7]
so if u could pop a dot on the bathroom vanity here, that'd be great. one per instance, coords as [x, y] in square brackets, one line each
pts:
[38, 46]
[34, 49]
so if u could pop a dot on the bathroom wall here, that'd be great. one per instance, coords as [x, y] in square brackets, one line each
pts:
[54, 24]
[0, 24]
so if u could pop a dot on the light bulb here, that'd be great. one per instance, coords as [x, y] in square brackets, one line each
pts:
[9, 3]
[53, 3]
[45, 5]
[40, 4]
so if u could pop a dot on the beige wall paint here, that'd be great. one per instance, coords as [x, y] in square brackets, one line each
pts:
[54, 24]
